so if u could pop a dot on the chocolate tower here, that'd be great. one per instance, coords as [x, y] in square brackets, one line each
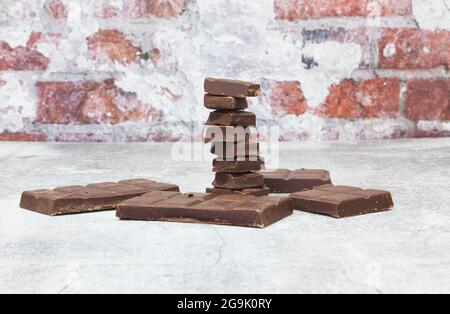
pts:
[233, 141]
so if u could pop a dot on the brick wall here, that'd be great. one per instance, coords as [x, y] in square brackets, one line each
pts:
[132, 70]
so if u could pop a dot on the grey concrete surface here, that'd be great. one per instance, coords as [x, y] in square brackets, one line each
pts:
[405, 250]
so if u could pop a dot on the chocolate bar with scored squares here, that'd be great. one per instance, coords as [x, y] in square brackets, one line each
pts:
[232, 209]
[94, 197]
[342, 201]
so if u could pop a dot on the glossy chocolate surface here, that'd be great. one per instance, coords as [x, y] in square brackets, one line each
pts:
[233, 209]
[94, 197]
[342, 201]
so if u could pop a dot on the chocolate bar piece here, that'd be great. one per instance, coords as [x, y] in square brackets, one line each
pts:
[238, 181]
[342, 201]
[287, 181]
[225, 103]
[231, 151]
[237, 166]
[232, 88]
[238, 210]
[263, 191]
[91, 198]
[232, 118]
[229, 134]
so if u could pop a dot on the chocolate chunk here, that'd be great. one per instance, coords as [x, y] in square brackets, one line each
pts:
[287, 181]
[237, 166]
[229, 134]
[231, 151]
[222, 87]
[342, 201]
[94, 197]
[225, 103]
[263, 191]
[238, 210]
[263, 164]
[232, 118]
[238, 181]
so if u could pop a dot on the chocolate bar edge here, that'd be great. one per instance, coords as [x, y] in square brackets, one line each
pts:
[338, 211]
[263, 220]
[231, 88]
[281, 185]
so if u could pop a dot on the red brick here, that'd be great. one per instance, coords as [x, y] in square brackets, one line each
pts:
[107, 11]
[428, 100]
[414, 49]
[288, 98]
[113, 45]
[23, 137]
[90, 103]
[315, 9]
[56, 9]
[376, 98]
[159, 8]
[21, 59]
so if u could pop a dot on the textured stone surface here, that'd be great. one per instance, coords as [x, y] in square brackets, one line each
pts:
[17, 109]
[432, 14]
[402, 251]
[330, 70]
[358, 36]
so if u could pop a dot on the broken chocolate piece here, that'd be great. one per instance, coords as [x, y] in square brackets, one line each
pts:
[230, 134]
[238, 181]
[232, 151]
[342, 201]
[263, 191]
[222, 87]
[287, 181]
[238, 210]
[232, 118]
[91, 198]
[225, 103]
[236, 166]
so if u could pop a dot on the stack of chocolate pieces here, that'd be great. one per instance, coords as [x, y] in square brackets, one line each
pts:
[229, 130]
